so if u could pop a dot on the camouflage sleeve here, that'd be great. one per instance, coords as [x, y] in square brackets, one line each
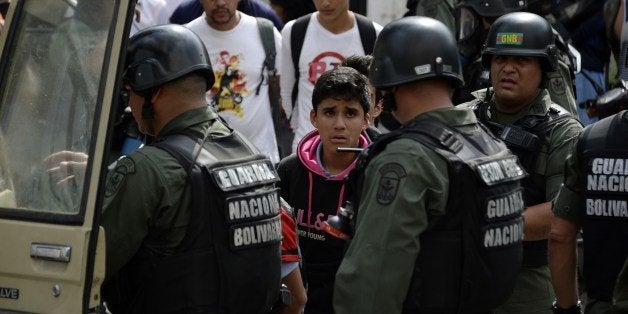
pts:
[568, 202]
[135, 190]
[562, 138]
[404, 185]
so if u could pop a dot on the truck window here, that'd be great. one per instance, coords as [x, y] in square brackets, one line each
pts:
[48, 100]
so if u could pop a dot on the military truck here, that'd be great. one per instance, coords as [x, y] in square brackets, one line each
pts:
[60, 68]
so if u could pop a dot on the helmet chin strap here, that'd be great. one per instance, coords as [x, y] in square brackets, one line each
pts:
[147, 108]
[388, 102]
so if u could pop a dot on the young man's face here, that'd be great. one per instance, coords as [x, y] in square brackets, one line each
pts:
[221, 13]
[339, 122]
[331, 10]
[516, 81]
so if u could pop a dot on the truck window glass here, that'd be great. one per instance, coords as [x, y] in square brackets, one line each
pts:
[49, 95]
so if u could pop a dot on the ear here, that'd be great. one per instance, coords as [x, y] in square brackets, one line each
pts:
[367, 121]
[313, 118]
[377, 109]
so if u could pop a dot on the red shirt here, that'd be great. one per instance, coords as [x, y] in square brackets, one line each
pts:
[289, 246]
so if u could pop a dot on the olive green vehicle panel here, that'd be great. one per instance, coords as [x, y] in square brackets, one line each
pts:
[60, 65]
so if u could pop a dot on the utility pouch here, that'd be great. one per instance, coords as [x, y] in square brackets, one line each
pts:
[520, 138]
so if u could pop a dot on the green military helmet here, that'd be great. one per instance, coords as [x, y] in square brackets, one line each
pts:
[521, 34]
[414, 48]
[160, 54]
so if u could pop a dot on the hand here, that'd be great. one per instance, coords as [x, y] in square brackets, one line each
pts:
[67, 165]
[138, 12]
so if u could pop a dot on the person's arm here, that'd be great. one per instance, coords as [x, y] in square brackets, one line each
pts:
[538, 217]
[567, 209]
[537, 221]
[377, 269]
[298, 297]
[132, 194]
[562, 261]
[286, 68]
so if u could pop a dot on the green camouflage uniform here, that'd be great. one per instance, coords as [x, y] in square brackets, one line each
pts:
[561, 89]
[145, 190]
[534, 292]
[375, 273]
[568, 205]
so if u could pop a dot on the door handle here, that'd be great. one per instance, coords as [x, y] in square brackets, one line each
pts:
[51, 252]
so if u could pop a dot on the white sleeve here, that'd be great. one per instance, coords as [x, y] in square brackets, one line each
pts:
[286, 69]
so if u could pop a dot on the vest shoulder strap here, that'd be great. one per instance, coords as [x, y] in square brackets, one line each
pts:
[555, 115]
[182, 147]
[432, 133]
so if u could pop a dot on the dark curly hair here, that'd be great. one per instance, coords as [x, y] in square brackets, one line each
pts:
[343, 83]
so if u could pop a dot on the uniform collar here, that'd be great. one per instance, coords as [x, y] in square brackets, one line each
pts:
[189, 119]
[539, 106]
[452, 116]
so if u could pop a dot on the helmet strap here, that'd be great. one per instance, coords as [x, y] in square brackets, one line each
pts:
[147, 108]
[388, 102]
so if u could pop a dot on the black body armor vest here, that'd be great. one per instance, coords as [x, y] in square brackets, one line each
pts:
[524, 138]
[470, 258]
[604, 150]
[229, 260]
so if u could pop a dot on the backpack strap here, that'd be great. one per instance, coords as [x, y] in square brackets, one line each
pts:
[367, 37]
[266, 31]
[367, 33]
[296, 45]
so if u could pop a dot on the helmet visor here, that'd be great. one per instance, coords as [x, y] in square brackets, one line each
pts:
[467, 23]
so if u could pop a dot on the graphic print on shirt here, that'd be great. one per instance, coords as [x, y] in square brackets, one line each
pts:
[230, 87]
[323, 62]
[312, 229]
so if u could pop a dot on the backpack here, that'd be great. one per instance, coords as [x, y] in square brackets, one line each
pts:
[367, 37]
[283, 131]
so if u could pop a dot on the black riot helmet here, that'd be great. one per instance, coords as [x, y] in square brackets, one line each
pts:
[414, 48]
[521, 34]
[160, 54]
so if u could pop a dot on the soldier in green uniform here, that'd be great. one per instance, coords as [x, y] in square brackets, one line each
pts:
[439, 227]
[594, 196]
[442, 10]
[475, 18]
[171, 245]
[520, 50]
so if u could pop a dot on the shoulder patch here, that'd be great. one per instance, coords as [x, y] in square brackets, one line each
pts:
[390, 175]
[124, 166]
[557, 85]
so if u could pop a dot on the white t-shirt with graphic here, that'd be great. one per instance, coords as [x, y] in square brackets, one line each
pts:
[322, 50]
[237, 57]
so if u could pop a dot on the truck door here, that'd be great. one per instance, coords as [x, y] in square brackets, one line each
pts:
[59, 67]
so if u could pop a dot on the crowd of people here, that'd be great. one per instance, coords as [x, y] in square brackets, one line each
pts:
[452, 141]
